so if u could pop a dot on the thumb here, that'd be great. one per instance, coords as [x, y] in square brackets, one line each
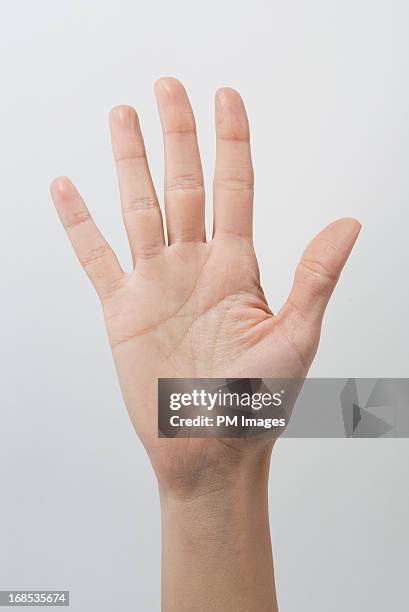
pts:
[316, 277]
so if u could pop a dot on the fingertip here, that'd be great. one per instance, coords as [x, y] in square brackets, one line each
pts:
[346, 229]
[228, 97]
[354, 222]
[167, 81]
[122, 115]
[61, 187]
[168, 88]
[350, 221]
[231, 116]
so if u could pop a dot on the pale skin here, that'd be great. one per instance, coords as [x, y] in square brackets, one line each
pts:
[193, 307]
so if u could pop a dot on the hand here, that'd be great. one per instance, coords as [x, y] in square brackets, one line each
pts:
[192, 308]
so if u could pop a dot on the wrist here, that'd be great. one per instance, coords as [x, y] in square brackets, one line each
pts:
[224, 471]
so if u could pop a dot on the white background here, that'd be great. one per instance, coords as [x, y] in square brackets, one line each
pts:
[326, 87]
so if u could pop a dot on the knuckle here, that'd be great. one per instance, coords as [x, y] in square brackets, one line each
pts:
[236, 136]
[183, 125]
[318, 268]
[95, 255]
[148, 251]
[181, 130]
[185, 182]
[123, 158]
[140, 203]
[235, 183]
[78, 218]
[111, 288]
[318, 272]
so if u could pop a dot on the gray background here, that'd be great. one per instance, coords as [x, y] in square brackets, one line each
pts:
[326, 88]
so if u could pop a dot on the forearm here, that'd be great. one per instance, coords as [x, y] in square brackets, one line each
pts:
[216, 547]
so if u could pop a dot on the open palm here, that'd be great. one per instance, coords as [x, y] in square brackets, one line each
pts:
[192, 308]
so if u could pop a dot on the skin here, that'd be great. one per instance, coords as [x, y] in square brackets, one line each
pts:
[195, 308]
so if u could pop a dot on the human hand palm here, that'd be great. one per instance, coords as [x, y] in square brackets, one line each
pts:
[194, 308]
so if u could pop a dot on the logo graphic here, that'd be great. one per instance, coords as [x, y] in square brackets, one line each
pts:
[377, 417]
